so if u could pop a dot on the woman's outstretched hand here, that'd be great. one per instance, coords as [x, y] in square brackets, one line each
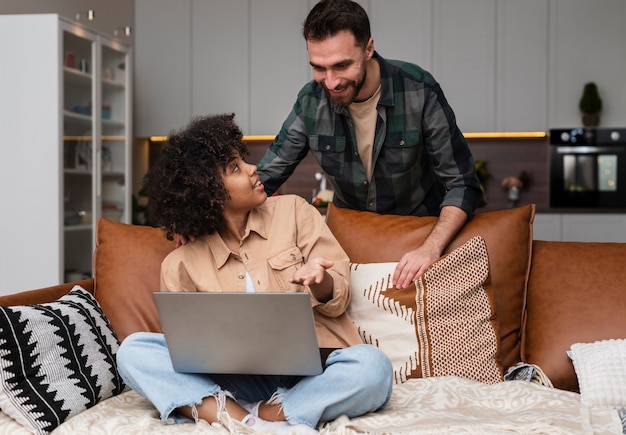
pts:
[313, 271]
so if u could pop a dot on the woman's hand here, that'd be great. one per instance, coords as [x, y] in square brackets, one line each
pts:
[313, 274]
[313, 271]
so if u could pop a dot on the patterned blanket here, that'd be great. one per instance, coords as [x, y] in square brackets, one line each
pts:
[431, 406]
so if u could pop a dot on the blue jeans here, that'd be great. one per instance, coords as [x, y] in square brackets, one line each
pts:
[356, 380]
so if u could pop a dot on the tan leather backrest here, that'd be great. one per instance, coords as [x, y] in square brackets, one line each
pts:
[370, 238]
[127, 264]
[44, 295]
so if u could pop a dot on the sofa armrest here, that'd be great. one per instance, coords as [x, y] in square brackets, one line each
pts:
[43, 295]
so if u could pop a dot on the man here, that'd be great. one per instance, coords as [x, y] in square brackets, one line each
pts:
[382, 132]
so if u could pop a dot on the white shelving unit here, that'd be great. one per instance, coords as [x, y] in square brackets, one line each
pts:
[65, 151]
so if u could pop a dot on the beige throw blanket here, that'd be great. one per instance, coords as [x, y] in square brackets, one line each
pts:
[444, 405]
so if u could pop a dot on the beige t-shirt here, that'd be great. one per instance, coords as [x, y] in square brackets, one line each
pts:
[364, 115]
[280, 236]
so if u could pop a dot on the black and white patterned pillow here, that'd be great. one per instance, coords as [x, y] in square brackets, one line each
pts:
[56, 360]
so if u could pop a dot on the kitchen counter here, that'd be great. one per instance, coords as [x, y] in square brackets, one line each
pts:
[507, 154]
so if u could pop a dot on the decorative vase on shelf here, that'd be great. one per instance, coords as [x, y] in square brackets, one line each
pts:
[590, 105]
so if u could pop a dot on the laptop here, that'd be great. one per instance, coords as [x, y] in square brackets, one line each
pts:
[240, 333]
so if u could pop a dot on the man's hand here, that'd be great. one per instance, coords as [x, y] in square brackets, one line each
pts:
[413, 264]
[182, 240]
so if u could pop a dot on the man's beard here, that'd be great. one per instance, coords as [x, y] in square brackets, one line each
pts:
[353, 90]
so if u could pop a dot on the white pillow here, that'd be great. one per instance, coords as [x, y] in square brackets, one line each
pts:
[601, 371]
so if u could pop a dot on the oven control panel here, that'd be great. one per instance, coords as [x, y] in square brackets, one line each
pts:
[587, 136]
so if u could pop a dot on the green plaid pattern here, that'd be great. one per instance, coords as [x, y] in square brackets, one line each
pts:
[421, 160]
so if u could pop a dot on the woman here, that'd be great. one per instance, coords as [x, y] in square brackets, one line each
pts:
[202, 189]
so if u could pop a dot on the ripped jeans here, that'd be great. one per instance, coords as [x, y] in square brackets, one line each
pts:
[356, 380]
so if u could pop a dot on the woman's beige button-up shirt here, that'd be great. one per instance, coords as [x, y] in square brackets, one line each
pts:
[281, 235]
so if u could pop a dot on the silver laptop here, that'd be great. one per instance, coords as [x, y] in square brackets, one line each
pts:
[245, 333]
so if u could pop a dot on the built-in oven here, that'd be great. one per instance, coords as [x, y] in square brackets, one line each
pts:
[588, 167]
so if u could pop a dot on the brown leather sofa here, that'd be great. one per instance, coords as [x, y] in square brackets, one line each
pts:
[548, 295]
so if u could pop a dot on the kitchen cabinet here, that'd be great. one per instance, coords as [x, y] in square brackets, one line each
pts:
[463, 53]
[279, 62]
[484, 52]
[163, 63]
[586, 43]
[504, 65]
[230, 60]
[405, 35]
[580, 227]
[65, 157]
[219, 72]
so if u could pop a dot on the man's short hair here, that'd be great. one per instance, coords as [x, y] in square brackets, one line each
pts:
[328, 17]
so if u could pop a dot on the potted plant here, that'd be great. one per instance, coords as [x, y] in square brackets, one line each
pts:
[590, 105]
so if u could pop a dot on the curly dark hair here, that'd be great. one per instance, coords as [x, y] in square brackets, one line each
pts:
[185, 188]
[328, 17]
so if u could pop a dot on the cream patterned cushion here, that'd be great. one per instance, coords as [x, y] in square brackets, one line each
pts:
[442, 325]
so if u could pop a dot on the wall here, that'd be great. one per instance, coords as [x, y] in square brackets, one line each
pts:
[505, 65]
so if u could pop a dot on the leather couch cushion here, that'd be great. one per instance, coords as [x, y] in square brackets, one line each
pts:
[586, 282]
[373, 238]
[127, 264]
[44, 295]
